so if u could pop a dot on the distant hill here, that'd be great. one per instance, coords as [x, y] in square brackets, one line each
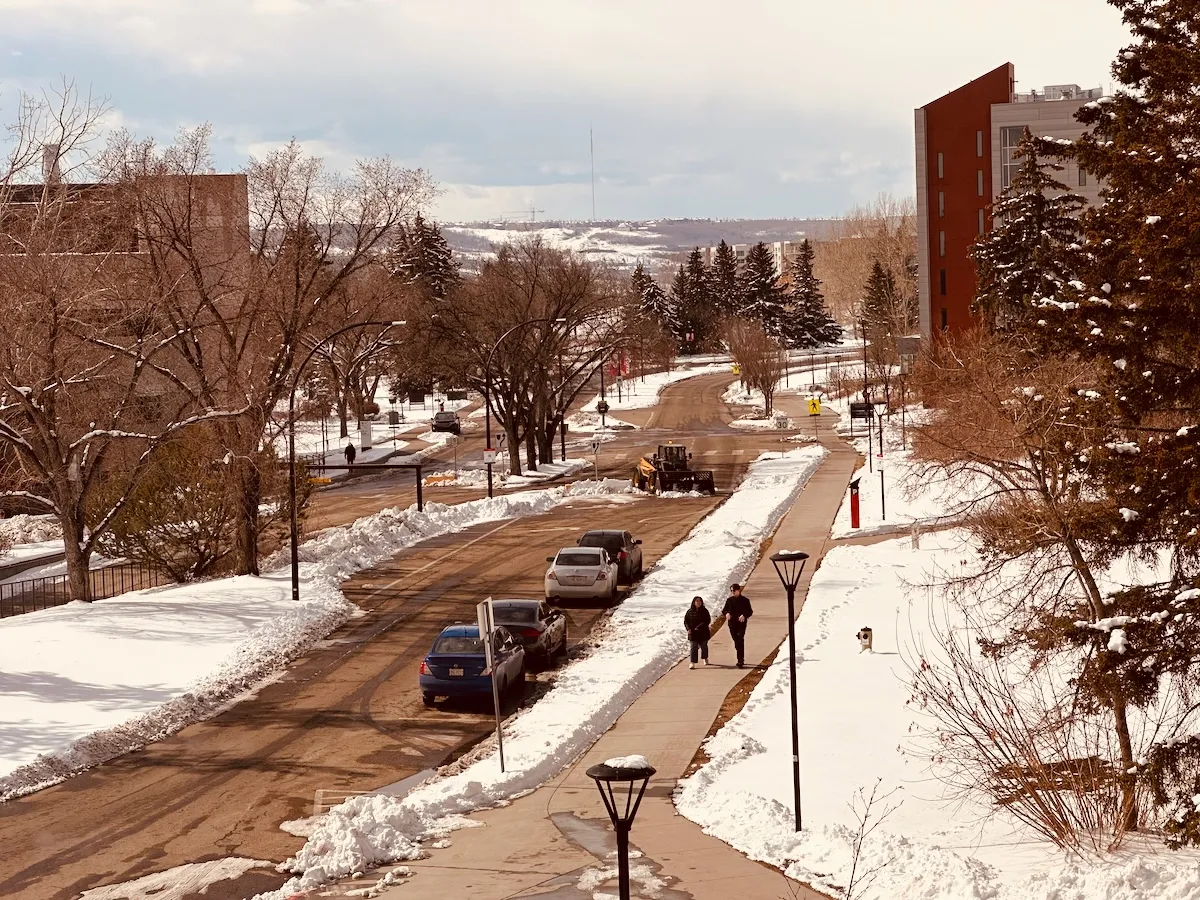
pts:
[658, 243]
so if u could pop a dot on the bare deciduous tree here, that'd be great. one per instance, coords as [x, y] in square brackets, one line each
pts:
[246, 269]
[760, 357]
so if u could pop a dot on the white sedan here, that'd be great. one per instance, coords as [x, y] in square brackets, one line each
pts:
[581, 573]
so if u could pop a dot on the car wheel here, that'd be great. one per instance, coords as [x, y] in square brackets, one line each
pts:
[562, 648]
[427, 699]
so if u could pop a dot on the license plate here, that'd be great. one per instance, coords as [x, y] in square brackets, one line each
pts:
[456, 673]
[579, 579]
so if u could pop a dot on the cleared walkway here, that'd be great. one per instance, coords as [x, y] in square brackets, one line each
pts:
[552, 842]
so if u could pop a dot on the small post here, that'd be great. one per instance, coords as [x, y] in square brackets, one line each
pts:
[882, 496]
[420, 499]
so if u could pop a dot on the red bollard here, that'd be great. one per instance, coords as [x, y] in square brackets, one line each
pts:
[854, 519]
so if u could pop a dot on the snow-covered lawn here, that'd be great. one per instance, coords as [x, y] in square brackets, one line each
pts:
[910, 492]
[641, 392]
[854, 718]
[83, 683]
[638, 645]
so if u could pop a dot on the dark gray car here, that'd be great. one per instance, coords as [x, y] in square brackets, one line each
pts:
[540, 628]
[622, 549]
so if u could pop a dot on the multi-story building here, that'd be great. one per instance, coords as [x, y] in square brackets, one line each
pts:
[783, 252]
[965, 143]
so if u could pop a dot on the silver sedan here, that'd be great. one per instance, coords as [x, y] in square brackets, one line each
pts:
[581, 573]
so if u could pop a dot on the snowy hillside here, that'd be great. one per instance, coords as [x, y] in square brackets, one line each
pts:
[654, 242]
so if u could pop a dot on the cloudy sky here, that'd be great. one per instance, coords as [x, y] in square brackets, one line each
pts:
[744, 109]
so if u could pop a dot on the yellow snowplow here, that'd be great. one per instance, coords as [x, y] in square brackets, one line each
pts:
[670, 469]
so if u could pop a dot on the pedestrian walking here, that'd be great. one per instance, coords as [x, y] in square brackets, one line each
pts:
[737, 612]
[696, 620]
[350, 454]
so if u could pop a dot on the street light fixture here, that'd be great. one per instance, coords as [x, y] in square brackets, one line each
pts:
[487, 392]
[293, 527]
[622, 805]
[789, 565]
[881, 407]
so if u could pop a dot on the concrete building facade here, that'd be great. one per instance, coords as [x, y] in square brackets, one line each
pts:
[965, 143]
[783, 252]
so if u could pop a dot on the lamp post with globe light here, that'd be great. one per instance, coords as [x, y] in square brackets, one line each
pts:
[789, 565]
[616, 780]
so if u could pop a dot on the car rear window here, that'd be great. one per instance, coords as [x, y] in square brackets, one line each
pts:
[445, 416]
[578, 558]
[458, 644]
[520, 614]
[607, 541]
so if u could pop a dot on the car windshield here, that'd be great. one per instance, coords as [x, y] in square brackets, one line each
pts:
[445, 416]
[608, 541]
[577, 558]
[454, 643]
[520, 614]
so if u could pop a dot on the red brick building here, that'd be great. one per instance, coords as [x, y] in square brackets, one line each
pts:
[964, 156]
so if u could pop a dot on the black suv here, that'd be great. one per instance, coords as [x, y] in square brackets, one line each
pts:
[447, 421]
[622, 549]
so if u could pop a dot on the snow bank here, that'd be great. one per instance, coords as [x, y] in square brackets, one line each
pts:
[854, 718]
[640, 642]
[23, 529]
[86, 682]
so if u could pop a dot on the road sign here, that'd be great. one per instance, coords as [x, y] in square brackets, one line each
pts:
[737, 370]
[781, 421]
[320, 481]
[596, 445]
[862, 411]
[489, 455]
[602, 407]
[814, 406]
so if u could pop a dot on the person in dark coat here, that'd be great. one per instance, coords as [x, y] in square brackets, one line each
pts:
[696, 621]
[351, 452]
[737, 612]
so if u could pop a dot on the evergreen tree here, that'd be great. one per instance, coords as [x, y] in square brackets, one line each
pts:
[653, 301]
[879, 300]
[421, 256]
[1025, 257]
[691, 298]
[763, 297]
[808, 323]
[726, 286]
[1129, 315]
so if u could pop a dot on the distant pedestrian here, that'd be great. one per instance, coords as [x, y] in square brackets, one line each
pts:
[737, 612]
[350, 454]
[696, 620]
[442, 406]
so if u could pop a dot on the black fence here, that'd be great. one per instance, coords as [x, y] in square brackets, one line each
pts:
[30, 595]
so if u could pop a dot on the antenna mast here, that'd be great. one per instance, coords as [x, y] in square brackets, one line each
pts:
[592, 149]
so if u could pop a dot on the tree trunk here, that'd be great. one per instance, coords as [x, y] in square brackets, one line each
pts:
[78, 559]
[343, 416]
[248, 485]
[531, 447]
[514, 451]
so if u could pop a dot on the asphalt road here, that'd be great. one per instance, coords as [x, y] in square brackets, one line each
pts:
[347, 716]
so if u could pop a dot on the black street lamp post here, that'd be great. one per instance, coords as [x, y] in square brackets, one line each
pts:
[293, 526]
[622, 805]
[487, 392]
[789, 564]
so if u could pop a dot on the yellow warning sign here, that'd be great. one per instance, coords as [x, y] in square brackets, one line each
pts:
[814, 406]
[737, 370]
[320, 481]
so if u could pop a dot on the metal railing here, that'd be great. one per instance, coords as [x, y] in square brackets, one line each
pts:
[32, 594]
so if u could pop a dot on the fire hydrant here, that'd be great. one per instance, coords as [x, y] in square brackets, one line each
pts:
[865, 636]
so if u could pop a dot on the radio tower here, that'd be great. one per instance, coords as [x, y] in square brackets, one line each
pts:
[592, 149]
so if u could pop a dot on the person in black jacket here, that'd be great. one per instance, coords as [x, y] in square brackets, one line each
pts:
[696, 621]
[737, 612]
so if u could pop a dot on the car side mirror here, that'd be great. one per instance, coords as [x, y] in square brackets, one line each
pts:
[689, 456]
[549, 559]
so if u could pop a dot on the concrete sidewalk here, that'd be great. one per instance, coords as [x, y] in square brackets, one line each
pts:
[544, 843]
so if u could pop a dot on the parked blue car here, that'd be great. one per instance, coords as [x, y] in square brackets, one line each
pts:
[457, 667]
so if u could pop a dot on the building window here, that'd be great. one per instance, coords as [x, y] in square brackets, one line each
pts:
[982, 221]
[1010, 137]
[941, 243]
[1082, 177]
[979, 143]
[941, 167]
[979, 181]
[942, 282]
[942, 203]
[943, 318]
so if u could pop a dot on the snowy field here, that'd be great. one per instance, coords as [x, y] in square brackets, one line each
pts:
[85, 682]
[855, 728]
[637, 646]
[641, 392]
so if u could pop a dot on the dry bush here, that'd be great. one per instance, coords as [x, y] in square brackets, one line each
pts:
[760, 357]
